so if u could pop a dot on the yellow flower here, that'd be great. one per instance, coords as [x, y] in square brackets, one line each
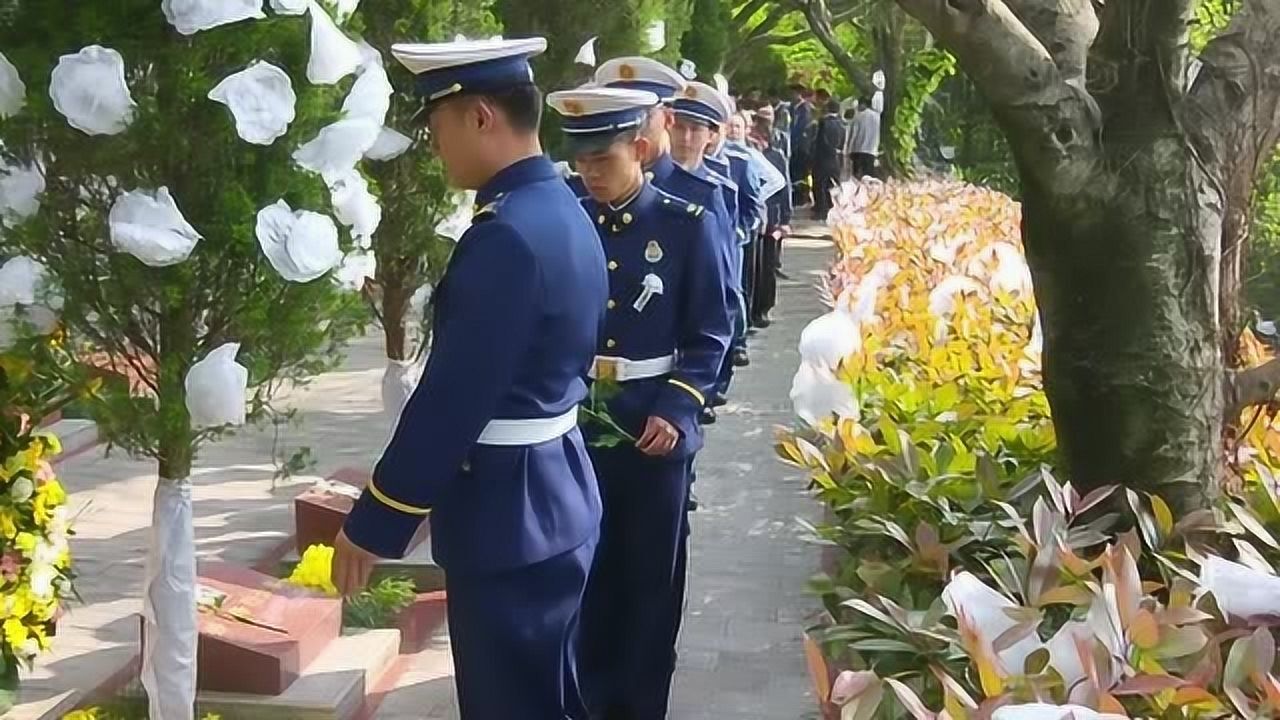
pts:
[315, 570]
[51, 442]
[15, 632]
[8, 523]
[18, 605]
[41, 636]
[48, 496]
[25, 541]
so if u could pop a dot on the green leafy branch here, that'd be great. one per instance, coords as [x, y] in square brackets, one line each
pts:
[596, 418]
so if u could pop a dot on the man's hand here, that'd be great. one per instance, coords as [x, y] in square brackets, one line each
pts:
[352, 565]
[659, 438]
[785, 230]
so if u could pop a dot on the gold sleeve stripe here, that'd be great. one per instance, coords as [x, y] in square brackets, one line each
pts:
[396, 504]
[689, 389]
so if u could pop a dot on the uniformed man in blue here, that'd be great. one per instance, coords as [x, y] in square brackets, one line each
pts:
[695, 184]
[750, 219]
[667, 330]
[488, 444]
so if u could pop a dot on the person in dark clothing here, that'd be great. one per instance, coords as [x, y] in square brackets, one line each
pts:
[772, 143]
[802, 116]
[828, 151]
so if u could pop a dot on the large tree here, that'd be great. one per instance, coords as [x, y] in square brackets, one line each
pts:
[1137, 163]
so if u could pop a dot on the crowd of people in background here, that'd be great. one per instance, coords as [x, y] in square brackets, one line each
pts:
[818, 141]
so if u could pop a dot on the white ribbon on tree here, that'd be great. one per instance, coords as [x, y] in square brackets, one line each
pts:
[20, 190]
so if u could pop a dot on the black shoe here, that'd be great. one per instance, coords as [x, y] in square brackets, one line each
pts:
[719, 400]
[781, 275]
[741, 358]
[762, 322]
[707, 416]
[691, 505]
[753, 330]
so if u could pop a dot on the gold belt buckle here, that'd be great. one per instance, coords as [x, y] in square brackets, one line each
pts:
[607, 369]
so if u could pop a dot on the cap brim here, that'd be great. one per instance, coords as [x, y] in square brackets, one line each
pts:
[593, 143]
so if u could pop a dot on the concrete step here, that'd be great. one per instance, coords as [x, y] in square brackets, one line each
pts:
[332, 688]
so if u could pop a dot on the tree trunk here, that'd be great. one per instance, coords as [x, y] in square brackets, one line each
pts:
[395, 309]
[1125, 274]
[169, 591]
[888, 38]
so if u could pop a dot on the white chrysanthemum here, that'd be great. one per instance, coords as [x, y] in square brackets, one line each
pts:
[828, 340]
[41, 579]
[216, 387]
[191, 16]
[88, 88]
[13, 92]
[261, 100]
[817, 395]
[22, 489]
[354, 205]
[337, 147]
[148, 225]
[333, 54]
[301, 245]
[20, 189]
[390, 144]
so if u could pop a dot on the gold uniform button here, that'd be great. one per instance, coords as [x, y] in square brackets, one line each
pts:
[612, 305]
[600, 220]
[648, 175]
[611, 343]
[627, 218]
[613, 264]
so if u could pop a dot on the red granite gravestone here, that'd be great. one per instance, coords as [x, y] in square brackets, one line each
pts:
[320, 512]
[263, 632]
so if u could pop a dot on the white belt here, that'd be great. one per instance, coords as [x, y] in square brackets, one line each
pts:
[620, 369]
[532, 431]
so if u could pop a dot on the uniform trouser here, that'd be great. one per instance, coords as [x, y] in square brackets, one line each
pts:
[750, 280]
[824, 181]
[628, 623]
[515, 637]
[766, 295]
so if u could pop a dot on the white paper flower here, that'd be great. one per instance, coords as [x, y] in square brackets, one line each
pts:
[289, 7]
[337, 147]
[216, 389]
[20, 281]
[333, 54]
[20, 190]
[148, 225]
[390, 144]
[1045, 711]
[354, 205]
[829, 339]
[456, 223]
[356, 267]
[985, 609]
[261, 99]
[42, 581]
[942, 299]
[22, 489]
[191, 16]
[88, 88]
[300, 245]
[344, 8]
[817, 394]
[370, 95]
[1241, 591]
[13, 93]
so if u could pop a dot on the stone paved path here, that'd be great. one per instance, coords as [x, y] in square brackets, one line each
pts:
[741, 656]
